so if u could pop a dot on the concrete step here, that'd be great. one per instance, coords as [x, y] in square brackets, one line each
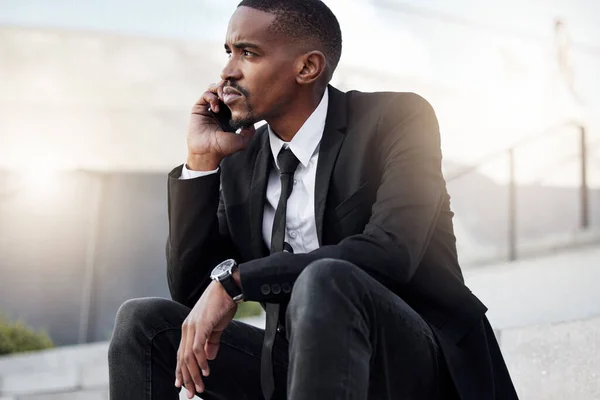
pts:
[77, 372]
[546, 311]
[554, 288]
[59, 358]
[77, 395]
[555, 361]
[66, 369]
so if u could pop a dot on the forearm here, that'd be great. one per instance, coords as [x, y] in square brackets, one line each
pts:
[389, 263]
[195, 244]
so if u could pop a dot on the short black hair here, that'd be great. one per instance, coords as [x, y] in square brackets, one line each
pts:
[302, 20]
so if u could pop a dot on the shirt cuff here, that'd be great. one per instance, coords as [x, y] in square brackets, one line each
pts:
[189, 174]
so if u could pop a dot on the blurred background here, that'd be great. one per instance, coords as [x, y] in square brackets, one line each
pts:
[94, 105]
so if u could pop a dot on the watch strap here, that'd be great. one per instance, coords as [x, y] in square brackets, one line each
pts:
[232, 288]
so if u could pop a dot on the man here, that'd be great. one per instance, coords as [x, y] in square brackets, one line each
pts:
[334, 215]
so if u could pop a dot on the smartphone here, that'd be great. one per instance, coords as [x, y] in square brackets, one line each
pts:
[223, 117]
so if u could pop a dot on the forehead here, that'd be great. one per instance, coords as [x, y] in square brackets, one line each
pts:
[250, 25]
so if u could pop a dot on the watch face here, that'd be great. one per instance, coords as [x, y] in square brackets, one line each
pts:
[224, 269]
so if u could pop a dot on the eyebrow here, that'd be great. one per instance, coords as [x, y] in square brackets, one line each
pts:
[243, 45]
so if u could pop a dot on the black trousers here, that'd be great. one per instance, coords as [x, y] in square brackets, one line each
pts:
[346, 337]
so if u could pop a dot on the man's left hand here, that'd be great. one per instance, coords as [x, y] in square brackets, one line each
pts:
[201, 335]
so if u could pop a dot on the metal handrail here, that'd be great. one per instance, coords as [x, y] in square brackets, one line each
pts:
[591, 146]
[494, 155]
[512, 186]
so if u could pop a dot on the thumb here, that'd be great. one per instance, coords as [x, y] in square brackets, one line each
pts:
[246, 134]
[212, 345]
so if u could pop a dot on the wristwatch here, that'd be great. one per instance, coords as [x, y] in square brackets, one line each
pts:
[224, 273]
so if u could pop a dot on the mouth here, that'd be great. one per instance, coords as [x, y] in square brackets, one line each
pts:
[229, 98]
[230, 95]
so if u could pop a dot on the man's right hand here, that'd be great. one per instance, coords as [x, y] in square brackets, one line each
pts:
[207, 143]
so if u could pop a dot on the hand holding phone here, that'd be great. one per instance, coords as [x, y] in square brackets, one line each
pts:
[210, 136]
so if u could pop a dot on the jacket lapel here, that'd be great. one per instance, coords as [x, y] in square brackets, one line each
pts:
[258, 191]
[333, 137]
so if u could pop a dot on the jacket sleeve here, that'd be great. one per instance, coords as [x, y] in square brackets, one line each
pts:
[404, 215]
[198, 235]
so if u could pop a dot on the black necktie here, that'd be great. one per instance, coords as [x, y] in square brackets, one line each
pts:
[287, 166]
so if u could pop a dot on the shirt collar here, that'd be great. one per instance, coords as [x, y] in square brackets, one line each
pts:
[306, 141]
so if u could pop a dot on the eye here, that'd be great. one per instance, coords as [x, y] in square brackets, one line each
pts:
[247, 53]
[228, 52]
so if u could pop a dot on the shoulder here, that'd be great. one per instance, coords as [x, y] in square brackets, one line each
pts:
[400, 120]
[388, 102]
[387, 112]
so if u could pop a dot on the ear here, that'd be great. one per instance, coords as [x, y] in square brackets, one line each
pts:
[311, 67]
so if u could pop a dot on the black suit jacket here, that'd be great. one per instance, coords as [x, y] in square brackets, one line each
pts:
[380, 203]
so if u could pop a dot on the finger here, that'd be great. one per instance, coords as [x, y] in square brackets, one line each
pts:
[211, 99]
[178, 372]
[212, 345]
[191, 363]
[247, 134]
[185, 361]
[188, 383]
[248, 131]
[212, 89]
[198, 346]
[217, 89]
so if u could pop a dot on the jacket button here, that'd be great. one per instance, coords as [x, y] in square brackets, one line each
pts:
[275, 288]
[286, 287]
[265, 289]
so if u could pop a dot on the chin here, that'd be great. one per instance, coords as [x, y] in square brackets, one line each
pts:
[242, 121]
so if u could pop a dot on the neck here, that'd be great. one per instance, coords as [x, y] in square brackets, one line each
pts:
[297, 112]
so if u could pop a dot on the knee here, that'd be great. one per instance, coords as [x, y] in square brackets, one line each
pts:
[131, 319]
[324, 276]
[133, 312]
[322, 285]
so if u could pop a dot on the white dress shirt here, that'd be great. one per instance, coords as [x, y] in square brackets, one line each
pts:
[301, 227]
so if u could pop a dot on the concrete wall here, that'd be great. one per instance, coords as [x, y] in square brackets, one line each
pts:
[542, 290]
[98, 101]
[48, 239]
[46, 246]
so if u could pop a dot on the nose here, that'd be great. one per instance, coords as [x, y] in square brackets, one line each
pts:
[231, 72]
